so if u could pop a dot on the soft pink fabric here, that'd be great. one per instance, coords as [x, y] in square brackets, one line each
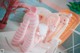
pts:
[31, 31]
[28, 34]
[18, 38]
[64, 20]
[25, 35]
[52, 21]
[20, 33]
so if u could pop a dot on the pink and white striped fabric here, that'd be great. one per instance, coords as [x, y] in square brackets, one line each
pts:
[20, 33]
[25, 35]
[30, 34]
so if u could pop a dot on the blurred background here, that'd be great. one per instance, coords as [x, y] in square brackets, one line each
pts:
[17, 17]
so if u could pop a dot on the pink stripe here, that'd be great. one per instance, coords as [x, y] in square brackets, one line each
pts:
[30, 34]
[19, 34]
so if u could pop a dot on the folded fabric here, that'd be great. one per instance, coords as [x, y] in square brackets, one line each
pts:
[40, 25]
[64, 20]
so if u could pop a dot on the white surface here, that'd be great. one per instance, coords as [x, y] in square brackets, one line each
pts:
[8, 32]
[8, 48]
[11, 26]
[43, 29]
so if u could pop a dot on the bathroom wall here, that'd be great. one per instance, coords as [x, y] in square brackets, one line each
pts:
[61, 3]
[19, 14]
[2, 12]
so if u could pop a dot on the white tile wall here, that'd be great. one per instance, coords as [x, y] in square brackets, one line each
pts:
[61, 3]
